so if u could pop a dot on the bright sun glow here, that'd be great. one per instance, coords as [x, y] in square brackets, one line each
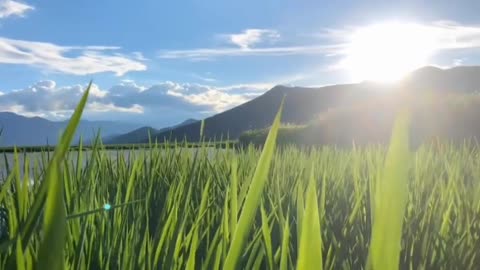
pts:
[387, 52]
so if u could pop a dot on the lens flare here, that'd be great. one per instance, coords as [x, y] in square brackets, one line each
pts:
[107, 207]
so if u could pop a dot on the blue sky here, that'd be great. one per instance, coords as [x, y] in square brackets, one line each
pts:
[159, 62]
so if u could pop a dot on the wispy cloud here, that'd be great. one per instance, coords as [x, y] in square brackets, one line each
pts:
[441, 34]
[80, 60]
[250, 42]
[10, 8]
[207, 53]
[333, 42]
[251, 37]
[205, 79]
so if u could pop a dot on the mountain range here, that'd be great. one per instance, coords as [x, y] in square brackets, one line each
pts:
[34, 131]
[142, 134]
[303, 105]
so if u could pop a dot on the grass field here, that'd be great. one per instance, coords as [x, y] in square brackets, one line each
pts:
[284, 208]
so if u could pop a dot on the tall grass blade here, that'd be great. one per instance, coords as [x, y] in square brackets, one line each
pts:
[37, 206]
[390, 201]
[254, 194]
[310, 253]
[285, 246]
[51, 249]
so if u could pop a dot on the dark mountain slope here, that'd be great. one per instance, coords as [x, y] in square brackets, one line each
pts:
[301, 105]
[133, 136]
[304, 104]
[141, 134]
[462, 79]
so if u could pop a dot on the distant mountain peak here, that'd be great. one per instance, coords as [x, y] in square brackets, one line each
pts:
[188, 121]
[141, 135]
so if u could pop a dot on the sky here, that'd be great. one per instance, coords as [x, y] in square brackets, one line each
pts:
[161, 62]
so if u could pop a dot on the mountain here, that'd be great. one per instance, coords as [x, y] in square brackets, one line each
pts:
[141, 134]
[435, 117]
[303, 105]
[461, 79]
[136, 135]
[186, 122]
[32, 131]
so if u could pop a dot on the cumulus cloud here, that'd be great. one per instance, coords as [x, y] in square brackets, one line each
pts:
[10, 8]
[47, 99]
[184, 96]
[76, 60]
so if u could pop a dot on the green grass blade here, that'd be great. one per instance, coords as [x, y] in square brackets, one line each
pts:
[64, 144]
[55, 212]
[384, 253]
[233, 197]
[254, 194]
[202, 129]
[285, 246]
[131, 180]
[267, 239]
[310, 253]
[20, 256]
[51, 250]
[194, 245]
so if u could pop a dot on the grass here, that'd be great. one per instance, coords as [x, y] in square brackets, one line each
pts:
[168, 207]
[139, 146]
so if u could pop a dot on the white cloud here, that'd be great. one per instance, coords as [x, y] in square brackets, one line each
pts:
[110, 107]
[458, 62]
[79, 61]
[47, 99]
[204, 78]
[9, 8]
[219, 101]
[213, 99]
[253, 87]
[250, 37]
[208, 53]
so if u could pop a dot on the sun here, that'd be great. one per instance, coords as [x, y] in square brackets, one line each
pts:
[387, 52]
